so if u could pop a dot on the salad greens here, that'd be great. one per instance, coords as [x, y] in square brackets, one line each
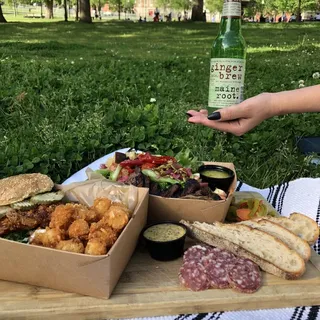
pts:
[115, 174]
[104, 172]
[186, 160]
[19, 236]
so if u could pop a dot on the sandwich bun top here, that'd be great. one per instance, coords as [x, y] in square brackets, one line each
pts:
[17, 188]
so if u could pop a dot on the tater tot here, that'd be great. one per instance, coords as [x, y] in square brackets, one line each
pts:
[62, 217]
[106, 234]
[122, 206]
[96, 247]
[50, 238]
[82, 212]
[101, 205]
[72, 245]
[79, 229]
[117, 219]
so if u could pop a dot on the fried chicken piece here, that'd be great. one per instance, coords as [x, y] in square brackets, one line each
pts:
[101, 205]
[72, 245]
[25, 220]
[96, 246]
[103, 232]
[79, 229]
[50, 238]
[85, 213]
[21, 220]
[43, 212]
[4, 226]
[116, 218]
[62, 217]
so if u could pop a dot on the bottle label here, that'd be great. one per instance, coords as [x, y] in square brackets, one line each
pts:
[231, 8]
[226, 82]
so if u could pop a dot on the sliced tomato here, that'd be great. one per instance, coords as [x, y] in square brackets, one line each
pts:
[148, 166]
[130, 170]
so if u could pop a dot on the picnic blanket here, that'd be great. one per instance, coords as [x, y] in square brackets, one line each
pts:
[302, 195]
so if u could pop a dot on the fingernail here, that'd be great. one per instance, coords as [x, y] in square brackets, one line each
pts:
[189, 114]
[214, 116]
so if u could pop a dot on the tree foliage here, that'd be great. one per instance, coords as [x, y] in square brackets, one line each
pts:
[121, 5]
[214, 5]
[273, 7]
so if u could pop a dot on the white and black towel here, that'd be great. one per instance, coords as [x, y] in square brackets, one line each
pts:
[302, 195]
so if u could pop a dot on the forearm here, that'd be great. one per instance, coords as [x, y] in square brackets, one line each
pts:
[296, 101]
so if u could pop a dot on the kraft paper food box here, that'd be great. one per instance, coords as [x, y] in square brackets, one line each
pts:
[94, 276]
[175, 209]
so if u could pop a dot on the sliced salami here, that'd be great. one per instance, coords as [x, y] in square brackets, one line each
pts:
[245, 276]
[217, 272]
[227, 258]
[193, 276]
[215, 250]
[195, 253]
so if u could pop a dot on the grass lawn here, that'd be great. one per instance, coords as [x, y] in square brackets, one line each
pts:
[69, 93]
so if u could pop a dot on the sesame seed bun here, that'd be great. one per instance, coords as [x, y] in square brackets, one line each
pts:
[17, 188]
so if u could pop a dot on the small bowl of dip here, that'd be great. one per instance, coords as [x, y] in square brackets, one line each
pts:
[216, 176]
[165, 240]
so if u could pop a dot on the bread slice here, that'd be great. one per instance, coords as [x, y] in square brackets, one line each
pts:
[289, 238]
[17, 188]
[301, 225]
[271, 254]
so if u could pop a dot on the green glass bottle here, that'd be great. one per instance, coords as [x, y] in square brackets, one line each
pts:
[228, 56]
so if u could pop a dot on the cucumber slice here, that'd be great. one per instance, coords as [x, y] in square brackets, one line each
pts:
[47, 198]
[4, 210]
[23, 205]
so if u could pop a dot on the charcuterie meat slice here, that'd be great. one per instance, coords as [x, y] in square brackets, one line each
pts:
[193, 276]
[227, 258]
[245, 276]
[217, 272]
[195, 253]
[215, 250]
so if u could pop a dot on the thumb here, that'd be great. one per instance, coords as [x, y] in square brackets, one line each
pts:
[227, 114]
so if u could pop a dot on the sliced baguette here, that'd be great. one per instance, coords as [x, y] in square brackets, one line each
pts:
[289, 238]
[271, 254]
[301, 225]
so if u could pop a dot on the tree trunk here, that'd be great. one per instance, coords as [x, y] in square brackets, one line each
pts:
[299, 11]
[2, 18]
[119, 9]
[77, 10]
[65, 10]
[41, 10]
[99, 9]
[49, 11]
[85, 14]
[15, 8]
[197, 11]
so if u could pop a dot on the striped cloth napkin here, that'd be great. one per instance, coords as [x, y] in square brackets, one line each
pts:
[302, 195]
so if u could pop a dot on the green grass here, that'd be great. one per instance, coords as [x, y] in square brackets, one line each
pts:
[70, 93]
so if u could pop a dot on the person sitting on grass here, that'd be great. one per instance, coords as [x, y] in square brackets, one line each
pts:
[241, 118]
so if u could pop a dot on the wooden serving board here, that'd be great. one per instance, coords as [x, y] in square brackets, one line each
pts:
[151, 288]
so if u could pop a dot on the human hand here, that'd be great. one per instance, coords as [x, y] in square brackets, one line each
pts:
[237, 119]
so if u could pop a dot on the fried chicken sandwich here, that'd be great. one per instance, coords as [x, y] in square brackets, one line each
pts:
[26, 202]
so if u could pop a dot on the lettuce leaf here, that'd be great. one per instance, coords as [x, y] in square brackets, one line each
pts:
[185, 158]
